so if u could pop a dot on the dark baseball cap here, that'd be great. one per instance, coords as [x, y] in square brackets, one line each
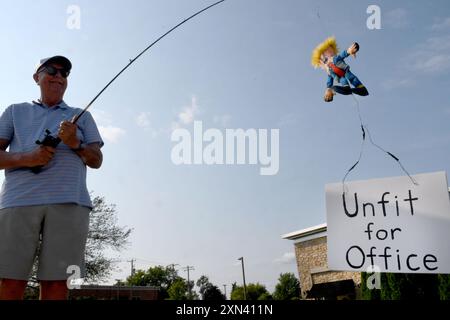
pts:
[55, 59]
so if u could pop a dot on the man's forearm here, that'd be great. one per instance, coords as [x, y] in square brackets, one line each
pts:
[91, 156]
[11, 160]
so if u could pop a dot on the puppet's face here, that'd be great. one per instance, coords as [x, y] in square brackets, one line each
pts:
[326, 58]
[329, 53]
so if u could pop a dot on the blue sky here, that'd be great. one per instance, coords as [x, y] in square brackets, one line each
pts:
[243, 64]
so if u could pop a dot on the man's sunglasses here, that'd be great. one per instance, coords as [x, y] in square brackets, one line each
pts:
[50, 70]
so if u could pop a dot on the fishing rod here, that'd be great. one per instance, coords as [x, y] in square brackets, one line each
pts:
[140, 54]
[53, 142]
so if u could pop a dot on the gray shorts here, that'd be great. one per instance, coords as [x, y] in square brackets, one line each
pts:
[57, 233]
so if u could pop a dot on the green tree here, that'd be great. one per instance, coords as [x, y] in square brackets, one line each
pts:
[255, 291]
[410, 286]
[104, 234]
[209, 291]
[288, 287]
[192, 295]
[158, 276]
[401, 286]
[178, 290]
[366, 293]
[444, 286]
[265, 296]
[237, 292]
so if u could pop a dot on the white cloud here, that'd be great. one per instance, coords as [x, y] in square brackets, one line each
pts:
[441, 24]
[398, 83]
[175, 125]
[111, 134]
[397, 18]
[186, 115]
[287, 120]
[143, 120]
[433, 63]
[222, 120]
[108, 131]
[431, 57]
[102, 117]
[287, 258]
[437, 43]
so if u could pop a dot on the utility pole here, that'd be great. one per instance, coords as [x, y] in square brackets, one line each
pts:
[243, 276]
[132, 266]
[188, 268]
[225, 290]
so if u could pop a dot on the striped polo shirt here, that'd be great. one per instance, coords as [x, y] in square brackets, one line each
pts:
[63, 179]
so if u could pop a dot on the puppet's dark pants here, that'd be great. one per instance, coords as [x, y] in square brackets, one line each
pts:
[349, 76]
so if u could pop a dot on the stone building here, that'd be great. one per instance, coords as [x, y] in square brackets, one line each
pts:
[316, 280]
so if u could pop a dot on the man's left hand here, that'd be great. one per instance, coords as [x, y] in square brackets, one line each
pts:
[68, 134]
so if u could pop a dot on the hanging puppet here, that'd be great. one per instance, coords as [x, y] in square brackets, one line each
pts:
[326, 56]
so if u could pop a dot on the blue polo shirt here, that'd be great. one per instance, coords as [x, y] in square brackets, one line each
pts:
[63, 179]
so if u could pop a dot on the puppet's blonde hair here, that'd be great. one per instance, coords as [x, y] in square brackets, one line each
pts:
[320, 49]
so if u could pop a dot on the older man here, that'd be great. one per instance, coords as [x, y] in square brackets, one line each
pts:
[45, 213]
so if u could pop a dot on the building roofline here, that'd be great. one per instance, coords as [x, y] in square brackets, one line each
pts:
[305, 232]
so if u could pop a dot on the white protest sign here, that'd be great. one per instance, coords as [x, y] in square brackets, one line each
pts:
[390, 223]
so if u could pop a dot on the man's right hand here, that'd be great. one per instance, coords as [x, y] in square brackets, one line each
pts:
[39, 156]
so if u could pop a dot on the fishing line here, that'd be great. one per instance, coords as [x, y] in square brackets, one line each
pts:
[365, 129]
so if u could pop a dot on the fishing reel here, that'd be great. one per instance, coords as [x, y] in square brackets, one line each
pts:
[48, 141]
